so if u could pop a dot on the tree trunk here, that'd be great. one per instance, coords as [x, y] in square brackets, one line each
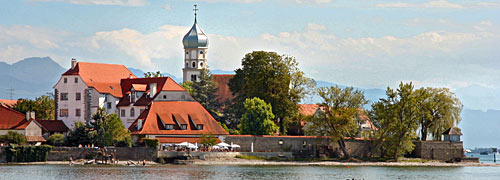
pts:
[344, 149]
[424, 133]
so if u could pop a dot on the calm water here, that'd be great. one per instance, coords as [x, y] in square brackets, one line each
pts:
[485, 158]
[244, 172]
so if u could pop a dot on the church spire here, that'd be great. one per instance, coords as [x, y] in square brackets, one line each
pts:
[195, 9]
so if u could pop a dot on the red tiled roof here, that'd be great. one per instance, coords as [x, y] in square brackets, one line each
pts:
[162, 84]
[35, 139]
[105, 78]
[53, 125]
[307, 109]
[7, 102]
[11, 119]
[181, 110]
[181, 139]
[223, 91]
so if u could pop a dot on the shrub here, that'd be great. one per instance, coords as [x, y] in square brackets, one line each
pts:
[153, 143]
[56, 139]
[28, 153]
[14, 137]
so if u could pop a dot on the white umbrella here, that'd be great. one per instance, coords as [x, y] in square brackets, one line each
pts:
[184, 144]
[222, 144]
[235, 146]
[192, 146]
[215, 147]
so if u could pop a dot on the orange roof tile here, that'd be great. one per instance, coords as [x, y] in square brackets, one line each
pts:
[181, 110]
[223, 91]
[7, 102]
[105, 78]
[11, 119]
[307, 109]
[181, 139]
[139, 87]
[162, 84]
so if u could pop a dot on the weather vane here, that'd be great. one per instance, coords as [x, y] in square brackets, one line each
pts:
[195, 9]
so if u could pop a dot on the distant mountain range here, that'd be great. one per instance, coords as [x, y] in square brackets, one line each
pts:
[33, 77]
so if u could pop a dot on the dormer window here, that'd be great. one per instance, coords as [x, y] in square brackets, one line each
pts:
[169, 126]
[132, 97]
[199, 126]
[183, 126]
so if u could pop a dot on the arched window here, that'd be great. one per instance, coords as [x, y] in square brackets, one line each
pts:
[187, 64]
[187, 52]
[201, 64]
[194, 64]
[201, 52]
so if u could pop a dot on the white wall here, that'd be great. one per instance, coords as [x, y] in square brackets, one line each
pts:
[128, 120]
[71, 104]
[173, 96]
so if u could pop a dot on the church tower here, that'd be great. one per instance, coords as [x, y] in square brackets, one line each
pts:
[195, 52]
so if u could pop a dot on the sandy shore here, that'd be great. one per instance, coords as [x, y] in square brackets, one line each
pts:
[236, 161]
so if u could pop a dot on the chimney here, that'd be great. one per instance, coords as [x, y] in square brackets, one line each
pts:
[152, 90]
[73, 63]
[30, 115]
[139, 124]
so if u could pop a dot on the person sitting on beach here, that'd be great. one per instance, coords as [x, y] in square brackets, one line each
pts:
[144, 162]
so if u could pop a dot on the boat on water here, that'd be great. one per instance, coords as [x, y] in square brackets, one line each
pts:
[483, 153]
[467, 151]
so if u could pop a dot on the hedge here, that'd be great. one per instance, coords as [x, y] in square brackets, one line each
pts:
[28, 153]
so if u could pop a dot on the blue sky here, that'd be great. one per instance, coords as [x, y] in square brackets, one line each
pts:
[369, 44]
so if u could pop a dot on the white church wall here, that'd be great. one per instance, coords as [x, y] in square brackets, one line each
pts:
[71, 87]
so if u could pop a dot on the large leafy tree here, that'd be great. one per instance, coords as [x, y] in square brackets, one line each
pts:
[79, 135]
[273, 78]
[397, 119]
[43, 106]
[439, 111]
[338, 118]
[203, 91]
[108, 130]
[258, 118]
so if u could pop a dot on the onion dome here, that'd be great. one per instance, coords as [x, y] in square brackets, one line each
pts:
[195, 38]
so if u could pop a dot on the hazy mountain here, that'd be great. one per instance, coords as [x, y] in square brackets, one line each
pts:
[140, 73]
[480, 128]
[30, 77]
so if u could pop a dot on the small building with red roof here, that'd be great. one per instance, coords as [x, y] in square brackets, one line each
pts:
[160, 108]
[86, 86]
[11, 120]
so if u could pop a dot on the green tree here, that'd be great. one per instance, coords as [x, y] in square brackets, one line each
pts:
[397, 119]
[272, 78]
[208, 140]
[338, 118]
[14, 137]
[56, 139]
[79, 135]
[203, 91]
[108, 130]
[43, 106]
[153, 74]
[258, 118]
[439, 111]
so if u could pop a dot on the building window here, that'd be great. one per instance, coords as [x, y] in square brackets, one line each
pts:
[65, 80]
[132, 112]
[64, 96]
[201, 64]
[109, 105]
[169, 126]
[122, 113]
[78, 96]
[132, 97]
[193, 77]
[76, 80]
[141, 110]
[63, 113]
[183, 126]
[78, 112]
[199, 126]
[194, 64]
[187, 64]
[164, 96]
[187, 52]
[201, 52]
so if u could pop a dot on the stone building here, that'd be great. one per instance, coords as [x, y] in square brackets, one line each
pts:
[85, 87]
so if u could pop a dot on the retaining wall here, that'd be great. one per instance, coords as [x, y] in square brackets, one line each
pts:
[440, 150]
[121, 153]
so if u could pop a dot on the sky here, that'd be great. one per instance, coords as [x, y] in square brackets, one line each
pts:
[367, 44]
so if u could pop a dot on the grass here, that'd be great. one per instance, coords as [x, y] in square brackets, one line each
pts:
[250, 157]
[418, 160]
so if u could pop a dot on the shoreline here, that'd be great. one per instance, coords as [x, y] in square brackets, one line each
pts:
[243, 162]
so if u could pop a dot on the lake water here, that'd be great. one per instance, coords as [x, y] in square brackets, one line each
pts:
[485, 158]
[243, 172]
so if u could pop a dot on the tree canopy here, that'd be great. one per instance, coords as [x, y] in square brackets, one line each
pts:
[203, 91]
[258, 118]
[153, 74]
[273, 78]
[108, 130]
[338, 118]
[43, 106]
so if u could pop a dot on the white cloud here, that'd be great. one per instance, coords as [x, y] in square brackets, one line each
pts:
[429, 4]
[102, 2]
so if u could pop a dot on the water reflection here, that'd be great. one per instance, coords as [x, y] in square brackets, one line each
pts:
[244, 172]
